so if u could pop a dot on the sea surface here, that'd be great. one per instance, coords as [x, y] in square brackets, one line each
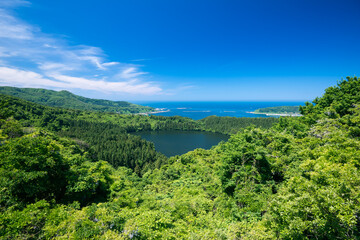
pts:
[172, 143]
[199, 110]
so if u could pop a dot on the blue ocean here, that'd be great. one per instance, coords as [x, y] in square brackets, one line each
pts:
[199, 110]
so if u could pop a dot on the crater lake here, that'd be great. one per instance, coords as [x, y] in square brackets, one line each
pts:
[172, 143]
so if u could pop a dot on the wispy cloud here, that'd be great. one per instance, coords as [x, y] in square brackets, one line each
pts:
[180, 88]
[32, 79]
[13, 3]
[31, 58]
[130, 73]
[12, 28]
[141, 60]
[146, 59]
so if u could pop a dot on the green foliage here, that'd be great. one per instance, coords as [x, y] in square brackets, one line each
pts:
[10, 128]
[89, 182]
[41, 165]
[297, 127]
[32, 168]
[24, 224]
[336, 101]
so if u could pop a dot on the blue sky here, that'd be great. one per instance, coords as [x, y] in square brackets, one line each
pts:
[180, 50]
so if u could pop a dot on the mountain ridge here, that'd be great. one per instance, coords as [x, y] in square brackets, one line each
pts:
[69, 100]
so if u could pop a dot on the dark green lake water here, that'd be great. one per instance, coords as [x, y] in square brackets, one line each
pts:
[172, 143]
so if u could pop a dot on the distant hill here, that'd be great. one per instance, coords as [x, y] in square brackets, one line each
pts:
[278, 110]
[66, 99]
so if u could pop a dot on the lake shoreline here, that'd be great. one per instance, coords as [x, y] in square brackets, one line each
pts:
[178, 142]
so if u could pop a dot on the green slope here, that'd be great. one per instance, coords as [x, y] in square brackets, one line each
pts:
[66, 99]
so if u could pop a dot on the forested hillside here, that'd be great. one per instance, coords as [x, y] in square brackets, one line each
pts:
[66, 99]
[298, 179]
[231, 125]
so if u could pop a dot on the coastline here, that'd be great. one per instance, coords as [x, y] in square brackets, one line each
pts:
[279, 114]
[157, 110]
[199, 110]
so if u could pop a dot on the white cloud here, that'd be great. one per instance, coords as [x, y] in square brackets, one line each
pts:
[141, 60]
[12, 28]
[23, 78]
[31, 58]
[95, 60]
[53, 66]
[130, 73]
[110, 64]
[127, 87]
[15, 77]
[13, 3]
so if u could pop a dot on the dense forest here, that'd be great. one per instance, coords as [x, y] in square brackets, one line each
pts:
[231, 125]
[66, 99]
[278, 110]
[296, 179]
